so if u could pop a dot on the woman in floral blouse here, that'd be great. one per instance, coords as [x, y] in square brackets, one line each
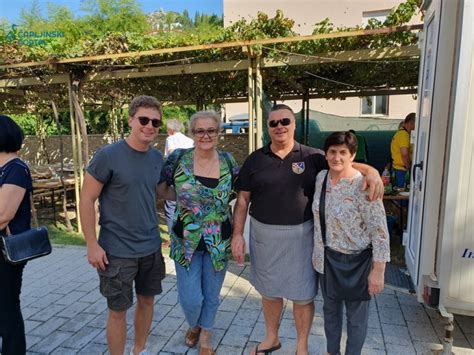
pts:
[200, 237]
[353, 223]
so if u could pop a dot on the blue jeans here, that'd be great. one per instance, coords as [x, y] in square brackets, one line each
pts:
[400, 182]
[399, 177]
[199, 289]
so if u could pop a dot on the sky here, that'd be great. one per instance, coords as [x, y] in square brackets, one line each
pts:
[11, 9]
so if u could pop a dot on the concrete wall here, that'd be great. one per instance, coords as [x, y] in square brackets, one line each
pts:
[34, 153]
[398, 106]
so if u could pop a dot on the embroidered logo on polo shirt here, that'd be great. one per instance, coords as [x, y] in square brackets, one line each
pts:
[298, 167]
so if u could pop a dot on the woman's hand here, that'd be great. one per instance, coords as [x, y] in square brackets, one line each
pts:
[377, 278]
[166, 192]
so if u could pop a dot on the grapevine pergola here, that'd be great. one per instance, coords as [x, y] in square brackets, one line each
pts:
[301, 67]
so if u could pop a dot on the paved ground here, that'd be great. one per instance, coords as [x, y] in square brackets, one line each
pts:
[65, 314]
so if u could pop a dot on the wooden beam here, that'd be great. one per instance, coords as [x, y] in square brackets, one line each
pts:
[232, 65]
[236, 65]
[344, 56]
[251, 104]
[170, 70]
[258, 102]
[33, 81]
[356, 33]
[75, 147]
[15, 92]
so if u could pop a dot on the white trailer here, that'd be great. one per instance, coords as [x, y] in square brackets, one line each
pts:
[439, 242]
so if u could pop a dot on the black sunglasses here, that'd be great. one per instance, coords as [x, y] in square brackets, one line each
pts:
[155, 122]
[283, 121]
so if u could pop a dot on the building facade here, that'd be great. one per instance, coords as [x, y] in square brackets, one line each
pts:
[347, 13]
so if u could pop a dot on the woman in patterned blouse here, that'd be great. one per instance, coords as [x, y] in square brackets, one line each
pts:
[352, 224]
[200, 237]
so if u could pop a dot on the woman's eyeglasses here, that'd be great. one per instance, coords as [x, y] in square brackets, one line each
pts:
[283, 121]
[155, 122]
[211, 132]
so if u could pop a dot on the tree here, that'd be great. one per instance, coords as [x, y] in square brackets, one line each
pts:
[114, 15]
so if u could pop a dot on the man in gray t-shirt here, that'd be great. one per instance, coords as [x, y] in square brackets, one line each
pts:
[124, 177]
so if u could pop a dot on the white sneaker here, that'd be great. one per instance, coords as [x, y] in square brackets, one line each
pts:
[143, 352]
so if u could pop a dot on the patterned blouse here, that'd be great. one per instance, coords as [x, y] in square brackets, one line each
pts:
[201, 209]
[352, 221]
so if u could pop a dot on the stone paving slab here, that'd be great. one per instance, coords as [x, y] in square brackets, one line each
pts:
[65, 314]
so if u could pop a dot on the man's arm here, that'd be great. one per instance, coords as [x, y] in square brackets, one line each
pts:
[240, 215]
[372, 180]
[405, 157]
[90, 192]
[166, 192]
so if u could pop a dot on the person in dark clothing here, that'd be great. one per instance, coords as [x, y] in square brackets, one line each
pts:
[362, 154]
[15, 213]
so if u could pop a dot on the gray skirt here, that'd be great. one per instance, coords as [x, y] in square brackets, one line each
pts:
[281, 260]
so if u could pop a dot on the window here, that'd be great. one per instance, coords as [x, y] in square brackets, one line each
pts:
[380, 15]
[374, 105]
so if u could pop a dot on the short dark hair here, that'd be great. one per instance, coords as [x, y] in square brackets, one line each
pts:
[410, 117]
[11, 135]
[278, 107]
[340, 138]
[146, 102]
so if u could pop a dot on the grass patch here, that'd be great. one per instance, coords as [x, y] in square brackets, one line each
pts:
[60, 235]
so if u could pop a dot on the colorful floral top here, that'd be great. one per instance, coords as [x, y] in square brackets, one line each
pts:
[201, 209]
[352, 221]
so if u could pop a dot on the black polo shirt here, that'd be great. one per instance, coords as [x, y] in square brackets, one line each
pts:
[281, 189]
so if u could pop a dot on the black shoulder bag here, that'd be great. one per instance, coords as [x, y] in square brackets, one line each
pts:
[345, 275]
[31, 244]
[27, 245]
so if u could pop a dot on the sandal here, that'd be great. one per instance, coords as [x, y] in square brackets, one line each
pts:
[206, 351]
[267, 351]
[192, 337]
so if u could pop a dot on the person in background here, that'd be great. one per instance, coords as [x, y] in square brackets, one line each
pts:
[124, 177]
[353, 223]
[175, 140]
[362, 154]
[200, 236]
[277, 181]
[15, 212]
[400, 150]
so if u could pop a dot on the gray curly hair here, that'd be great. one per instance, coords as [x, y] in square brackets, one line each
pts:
[204, 114]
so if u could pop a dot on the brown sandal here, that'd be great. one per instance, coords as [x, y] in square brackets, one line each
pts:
[206, 351]
[192, 337]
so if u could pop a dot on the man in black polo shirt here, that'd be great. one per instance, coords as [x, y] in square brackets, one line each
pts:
[278, 182]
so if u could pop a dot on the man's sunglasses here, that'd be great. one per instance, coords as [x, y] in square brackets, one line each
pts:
[283, 121]
[155, 122]
[211, 132]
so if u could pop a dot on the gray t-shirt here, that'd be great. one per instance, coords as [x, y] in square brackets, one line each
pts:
[128, 219]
